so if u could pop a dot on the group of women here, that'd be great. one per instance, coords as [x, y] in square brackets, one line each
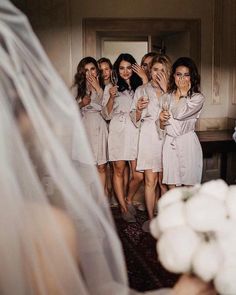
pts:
[57, 234]
[145, 116]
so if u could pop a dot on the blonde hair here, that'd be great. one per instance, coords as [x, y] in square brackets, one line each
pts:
[164, 60]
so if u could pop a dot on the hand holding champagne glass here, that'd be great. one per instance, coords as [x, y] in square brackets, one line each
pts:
[114, 80]
[145, 100]
[165, 104]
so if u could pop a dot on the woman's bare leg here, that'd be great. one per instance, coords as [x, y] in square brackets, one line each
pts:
[126, 178]
[135, 182]
[102, 173]
[109, 177]
[151, 179]
[118, 183]
[163, 187]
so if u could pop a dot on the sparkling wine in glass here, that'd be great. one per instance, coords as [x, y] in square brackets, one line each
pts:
[114, 79]
[145, 97]
[165, 104]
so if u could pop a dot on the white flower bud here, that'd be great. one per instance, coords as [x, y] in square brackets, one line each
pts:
[172, 216]
[215, 188]
[226, 237]
[225, 282]
[207, 260]
[171, 196]
[205, 213]
[154, 228]
[176, 247]
[185, 216]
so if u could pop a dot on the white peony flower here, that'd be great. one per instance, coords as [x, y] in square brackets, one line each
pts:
[172, 216]
[185, 217]
[207, 260]
[176, 247]
[154, 228]
[225, 282]
[231, 202]
[215, 188]
[171, 196]
[226, 237]
[205, 213]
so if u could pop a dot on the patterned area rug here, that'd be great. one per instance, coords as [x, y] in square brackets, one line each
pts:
[144, 270]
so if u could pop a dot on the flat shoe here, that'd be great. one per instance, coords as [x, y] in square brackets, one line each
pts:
[141, 207]
[128, 217]
[113, 202]
[131, 209]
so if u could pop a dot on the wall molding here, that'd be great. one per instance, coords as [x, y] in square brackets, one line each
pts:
[233, 44]
[221, 123]
[216, 50]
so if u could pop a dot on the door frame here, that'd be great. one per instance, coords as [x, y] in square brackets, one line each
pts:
[95, 30]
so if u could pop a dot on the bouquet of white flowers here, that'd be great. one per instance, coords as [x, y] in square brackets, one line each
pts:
[196, 232]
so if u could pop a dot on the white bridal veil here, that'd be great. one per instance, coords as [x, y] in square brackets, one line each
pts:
[56, 231]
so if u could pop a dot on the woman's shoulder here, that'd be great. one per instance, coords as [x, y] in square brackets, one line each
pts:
[148, 86]
[198, 96]
[139, 88]
[108, 86]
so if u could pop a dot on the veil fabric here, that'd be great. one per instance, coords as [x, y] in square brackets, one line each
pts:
[46, 175]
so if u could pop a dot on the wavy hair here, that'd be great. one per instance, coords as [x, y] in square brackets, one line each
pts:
[100, 61]
[80, 76]
[106, 60]
[165, 61]
[135, 80]
[193, 71]
[149, 54]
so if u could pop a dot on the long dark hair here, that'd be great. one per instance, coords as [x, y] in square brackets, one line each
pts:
[193, 71]
[135, 80]
[80, 76]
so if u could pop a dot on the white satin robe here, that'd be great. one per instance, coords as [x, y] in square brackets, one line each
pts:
[182, 152]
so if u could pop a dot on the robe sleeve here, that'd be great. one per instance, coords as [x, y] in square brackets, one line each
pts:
[188, 108]
[99, 97]
[106, 96]
[133, 109]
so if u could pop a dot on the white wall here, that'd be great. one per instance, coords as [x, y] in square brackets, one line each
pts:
[112, 49]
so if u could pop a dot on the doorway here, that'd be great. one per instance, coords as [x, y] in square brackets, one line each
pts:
[175, 37]
[112, 48]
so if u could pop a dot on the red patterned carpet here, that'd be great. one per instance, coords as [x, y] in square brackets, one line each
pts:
[144, 270]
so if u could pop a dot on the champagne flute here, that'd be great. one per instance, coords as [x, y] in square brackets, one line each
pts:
[114, 79]
[165, 104]
[145, 97]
